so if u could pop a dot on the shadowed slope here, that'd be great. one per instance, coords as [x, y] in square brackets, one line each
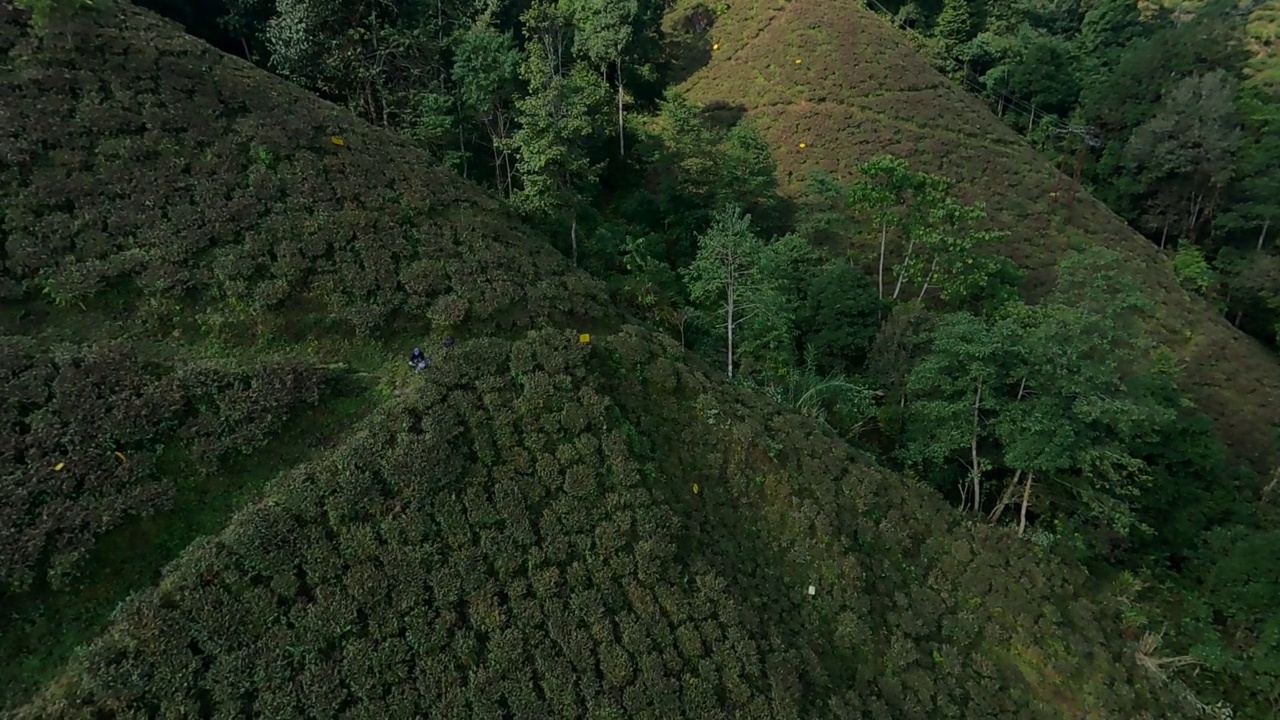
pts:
[520, 536]
[860, 90]
[535, 527]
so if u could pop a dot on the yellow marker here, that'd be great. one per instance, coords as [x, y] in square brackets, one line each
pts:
[803, 146]
[337, 141]
[59, 466]
[584, 339]
[716, 46]
[120, 455]
[797, 61]
[695, 488]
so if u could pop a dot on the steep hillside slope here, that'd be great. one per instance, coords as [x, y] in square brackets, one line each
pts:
[198, 287]
[831, 75]
[547, 529]
[536, 526]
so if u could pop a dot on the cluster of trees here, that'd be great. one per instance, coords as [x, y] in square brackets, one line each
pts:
[1059, 418]
[507, 540]
[1183, 119]
[94, 433]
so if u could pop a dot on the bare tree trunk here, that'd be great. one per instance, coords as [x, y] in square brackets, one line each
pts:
[1006, 497]
[729, 326]
[497, 164]
[622, 135]
[1196, 202]
[927, 278]
[973, 450]
[1164, 234]
[1262, 237]
[902, 274]
[1026, 498]
[573, 238]
[884, 239]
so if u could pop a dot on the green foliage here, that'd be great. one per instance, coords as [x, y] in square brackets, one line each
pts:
[43, 12]
[734, 276]
[839, 318]
[488, 544]
[559, 120]
[90, 427]
[840, 403]
[1057, 391]
[486, 66]
[1193, 270]
[539, 527]
[940, 237]
[955, 26]
[1252, 286]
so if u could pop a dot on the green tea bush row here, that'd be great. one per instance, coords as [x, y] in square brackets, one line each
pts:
[510, 542]
[172, 172]
[86, 426]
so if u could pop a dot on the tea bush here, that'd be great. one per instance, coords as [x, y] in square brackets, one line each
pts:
[88, 425]
[513, 539]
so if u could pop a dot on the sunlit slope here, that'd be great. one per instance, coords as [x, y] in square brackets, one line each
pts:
[831, 75]
[536, 527]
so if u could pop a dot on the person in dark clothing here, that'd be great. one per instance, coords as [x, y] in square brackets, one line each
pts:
[418, 360]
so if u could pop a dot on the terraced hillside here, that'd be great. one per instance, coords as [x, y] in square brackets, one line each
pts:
[830, 75]
[536, 526]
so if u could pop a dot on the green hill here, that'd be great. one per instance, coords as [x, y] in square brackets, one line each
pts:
[848, 86]
[535, 526]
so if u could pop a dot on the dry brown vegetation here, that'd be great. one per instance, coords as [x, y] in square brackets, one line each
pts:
[861, 90]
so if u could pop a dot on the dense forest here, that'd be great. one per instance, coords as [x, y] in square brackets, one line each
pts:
[1169, 113]
[1057, 418]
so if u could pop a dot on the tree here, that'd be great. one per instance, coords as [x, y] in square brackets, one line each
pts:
[486, 71]
[1192, 270]
[951, 389]
[1186, 153]
[1252, 284]
[1255, 194]
[559, 120]
[880, 196]
[1105, 32]
[950, 242]
[1059, 392]
[1042, 72]
[955, 26]
[749, 177]
[839, 318]
[730, 273]
[604, 29]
